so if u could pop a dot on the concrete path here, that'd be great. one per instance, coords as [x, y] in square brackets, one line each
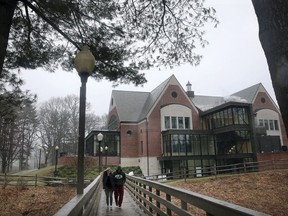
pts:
[128, 208]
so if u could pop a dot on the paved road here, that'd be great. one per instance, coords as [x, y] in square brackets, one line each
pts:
[128, 208]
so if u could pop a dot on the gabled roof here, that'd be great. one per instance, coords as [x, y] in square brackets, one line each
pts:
[129, 104]
[207, 102]
[134, 106]
[248, 94]
[152, 98]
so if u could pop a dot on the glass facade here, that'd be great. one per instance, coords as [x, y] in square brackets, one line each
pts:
[226, 138]
[226, 117]
[110, 139]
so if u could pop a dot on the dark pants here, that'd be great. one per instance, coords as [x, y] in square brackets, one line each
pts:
[109, 197]
[119, 193]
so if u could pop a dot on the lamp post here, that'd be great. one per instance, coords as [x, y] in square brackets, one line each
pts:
[84, 64]
[100, 138]
[56, 160]
[106, 151]
[101, 150]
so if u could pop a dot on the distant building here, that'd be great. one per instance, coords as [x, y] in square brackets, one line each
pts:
[169, 128]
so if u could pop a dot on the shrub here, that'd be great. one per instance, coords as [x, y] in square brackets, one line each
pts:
[21, 183]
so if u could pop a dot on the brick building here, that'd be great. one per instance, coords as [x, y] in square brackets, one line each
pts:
[169, 128]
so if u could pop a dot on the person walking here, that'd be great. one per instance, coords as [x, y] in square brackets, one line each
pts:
[108, 186]
[119, 178]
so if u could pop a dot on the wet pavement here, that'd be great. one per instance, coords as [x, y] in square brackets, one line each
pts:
[128, 208]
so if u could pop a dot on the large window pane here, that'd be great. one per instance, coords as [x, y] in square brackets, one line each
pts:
[261, 122]
[188, 145]
[204, 145]
[187, 123]
[167, 122]
[175, 145]
[276, 125]
[235, 115]
[196, 145]
[230, 116]
[180, 123]
[271, 124]
[266, 124]
[174, 122]
[182, 144]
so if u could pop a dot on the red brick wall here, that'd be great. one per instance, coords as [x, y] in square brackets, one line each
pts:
[129, 142]
[272, 156]
[90, 161]
[257, 105]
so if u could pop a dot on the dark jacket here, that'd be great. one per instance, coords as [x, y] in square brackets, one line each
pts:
[119, 178]
[107, 181]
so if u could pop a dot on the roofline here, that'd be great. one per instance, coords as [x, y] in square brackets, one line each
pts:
[222, 106]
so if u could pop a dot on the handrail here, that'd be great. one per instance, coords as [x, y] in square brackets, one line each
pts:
[223, 169]
[156, 198]
[31, 180]
[85, 204]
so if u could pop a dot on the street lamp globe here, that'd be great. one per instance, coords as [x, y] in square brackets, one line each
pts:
[84, 61]
[100, 137]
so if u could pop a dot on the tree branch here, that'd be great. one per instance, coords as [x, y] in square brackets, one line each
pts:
[39, 13]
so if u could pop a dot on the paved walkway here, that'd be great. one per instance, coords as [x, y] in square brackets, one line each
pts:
[128, 208]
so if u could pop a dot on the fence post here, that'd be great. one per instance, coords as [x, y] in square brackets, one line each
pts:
[150, 199]
[184, 171]
[5, 179]
[183, 205]
[215, 170]
[157, 202]
[36, 180]
[168, 198]
[144, 186]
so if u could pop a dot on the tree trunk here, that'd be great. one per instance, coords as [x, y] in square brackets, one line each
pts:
[7, 8]
[273, 34]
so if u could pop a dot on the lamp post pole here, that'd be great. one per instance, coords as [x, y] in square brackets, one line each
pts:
[101, 164]
[100, 138]
[84, 64]
[106, 151]
[56, 160]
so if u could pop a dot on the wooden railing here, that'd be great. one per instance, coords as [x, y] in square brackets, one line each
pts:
[246, 167]
[31, 180]
[159, 199]
[85, 204]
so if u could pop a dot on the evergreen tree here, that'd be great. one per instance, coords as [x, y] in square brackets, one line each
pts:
[125, 36]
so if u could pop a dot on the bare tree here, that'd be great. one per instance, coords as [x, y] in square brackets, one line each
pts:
[59, 122]
[17, 120]
[27, 128]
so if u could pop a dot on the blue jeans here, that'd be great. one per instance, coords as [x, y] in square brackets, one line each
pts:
[109, 196]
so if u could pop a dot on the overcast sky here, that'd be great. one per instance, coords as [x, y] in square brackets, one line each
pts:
[233, 60]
